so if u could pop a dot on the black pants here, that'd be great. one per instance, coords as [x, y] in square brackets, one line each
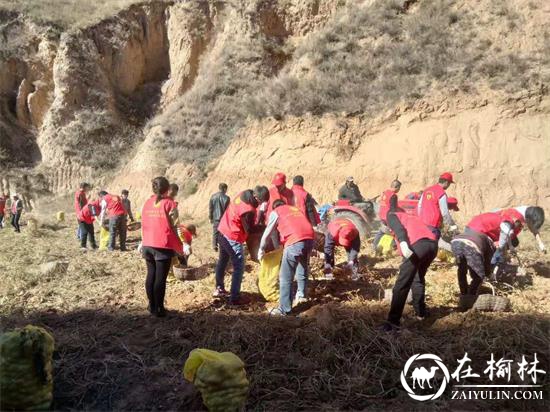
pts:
[215, 235]
[15, 221]
[462, 274]
[411, 276]
[352, 251]
[117, 225]
[87, 232]
[1, 220]
[155, 284]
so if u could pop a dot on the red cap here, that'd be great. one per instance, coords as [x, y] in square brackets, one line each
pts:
[452, 203]
[279, 179]
[447, 176]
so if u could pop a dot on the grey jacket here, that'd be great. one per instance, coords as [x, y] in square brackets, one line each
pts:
[218, 203]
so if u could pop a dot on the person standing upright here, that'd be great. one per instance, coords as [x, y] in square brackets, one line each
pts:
[278, 191]
[160, 243]
[80, 199]
[3, 199]
[111, 205]
[388, 201]
[16, 211]
[304, 201]
[127, 204]
[216, 208]
[433, 207]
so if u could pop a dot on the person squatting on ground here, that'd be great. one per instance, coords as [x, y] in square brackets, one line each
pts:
[388, 201]
[433, 207]
[342, 232]
[127, 204]
[16, 211]
[304, 201]
[186, 234]
[236, 223]
[296, 235]
[3, 199]
[216, 208]
[112, 207]
[86, 223]
[418, 246]
[160, 242]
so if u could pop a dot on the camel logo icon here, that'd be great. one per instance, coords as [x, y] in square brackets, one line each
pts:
[423, 378]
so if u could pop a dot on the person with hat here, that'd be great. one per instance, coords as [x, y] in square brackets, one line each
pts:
[278, 191]
[236, 223]
[342, 232]
[16, 211]
[433, 207]
[296, 235]
[350, 192]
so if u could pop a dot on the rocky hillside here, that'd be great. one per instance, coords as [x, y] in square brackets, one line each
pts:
[235, 90]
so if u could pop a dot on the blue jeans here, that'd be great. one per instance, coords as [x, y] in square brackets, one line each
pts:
[295, 263]
[234, 251]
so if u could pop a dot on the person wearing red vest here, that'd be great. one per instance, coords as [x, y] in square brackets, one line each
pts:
[342, 232]
[80, 199]
[304, 201]
[418, 246]
[296, 235]
[433, 208]
[3, 199]
[532, 216]
[279, 191]
[160, 243]
[16, 211]
[388, 201]
[113, 208]
[238, 220]
[86, 223]
[186, 234]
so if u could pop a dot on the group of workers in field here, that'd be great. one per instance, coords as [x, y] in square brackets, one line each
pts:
[15, 208]
[286, 218]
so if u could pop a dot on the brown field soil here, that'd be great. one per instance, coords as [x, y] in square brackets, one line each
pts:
[111, 354]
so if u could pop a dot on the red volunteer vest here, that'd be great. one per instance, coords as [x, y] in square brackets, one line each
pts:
[231, 225]
[156, 229]
[385, 204]
[287, 196]
[430, 213]
[187, 235]
[2, 205]
[300, 197]
[114, 206]
[335, 229]
[489, 224]
[14, 206]
[77, 196]
[416, 229]
[293, 226]
[85, 215]
[512, 216]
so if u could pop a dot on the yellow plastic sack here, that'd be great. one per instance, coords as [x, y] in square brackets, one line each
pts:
[60, 216]
[385, 245]
[220, 378]
[268, 278]
[103, 238]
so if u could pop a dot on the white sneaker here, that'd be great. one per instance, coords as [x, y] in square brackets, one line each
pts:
[299, 300]
[276, 312]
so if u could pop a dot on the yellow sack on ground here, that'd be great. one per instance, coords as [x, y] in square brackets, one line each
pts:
[268, 278]
[385, 245]
[137, 216]
[103, 238]
[220, 378]
[445, 256]
[60, 216]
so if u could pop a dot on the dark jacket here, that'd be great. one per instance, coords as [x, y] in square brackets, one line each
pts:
[352, 193]
[218, 203]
